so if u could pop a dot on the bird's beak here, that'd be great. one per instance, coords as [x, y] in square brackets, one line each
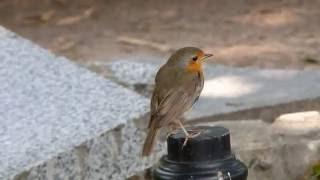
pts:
[207, 56]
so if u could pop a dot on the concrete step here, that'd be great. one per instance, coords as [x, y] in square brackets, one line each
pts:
[233, 93]
[61, 121]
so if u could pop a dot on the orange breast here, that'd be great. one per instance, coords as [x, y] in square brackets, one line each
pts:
[194, 67]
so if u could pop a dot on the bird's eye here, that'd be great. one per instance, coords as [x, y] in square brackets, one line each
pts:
[195, 58]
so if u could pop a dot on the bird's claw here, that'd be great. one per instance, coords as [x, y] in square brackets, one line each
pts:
[191, 134]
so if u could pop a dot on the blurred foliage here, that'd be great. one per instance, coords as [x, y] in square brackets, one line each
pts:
[313, 172]
[316, 170]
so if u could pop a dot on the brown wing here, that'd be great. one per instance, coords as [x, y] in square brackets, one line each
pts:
[153, 108]
[169, 105]
[156, 97]
[173, 107]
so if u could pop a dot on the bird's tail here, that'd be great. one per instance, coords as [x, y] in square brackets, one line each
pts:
[150, 141]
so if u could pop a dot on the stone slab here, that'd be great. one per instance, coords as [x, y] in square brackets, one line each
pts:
[298, 123]
[61, 121]
[234, 93]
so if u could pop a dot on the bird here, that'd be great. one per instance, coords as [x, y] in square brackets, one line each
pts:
[178, 84]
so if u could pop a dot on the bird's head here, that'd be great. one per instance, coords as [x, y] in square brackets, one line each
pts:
[190, 58]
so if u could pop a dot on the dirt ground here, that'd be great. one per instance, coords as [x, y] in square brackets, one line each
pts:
[267, 34]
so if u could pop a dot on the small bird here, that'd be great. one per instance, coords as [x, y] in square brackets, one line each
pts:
[178, 85]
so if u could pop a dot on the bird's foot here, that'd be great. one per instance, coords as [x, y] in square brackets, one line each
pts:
[194, 133]
[190, 134]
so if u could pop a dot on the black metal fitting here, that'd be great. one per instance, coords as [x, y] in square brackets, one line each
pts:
[207, 156]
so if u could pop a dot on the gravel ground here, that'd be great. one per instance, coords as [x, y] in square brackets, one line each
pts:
[267, 34]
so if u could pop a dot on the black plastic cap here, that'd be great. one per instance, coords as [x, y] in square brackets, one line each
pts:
[212, 143]
[206, 156]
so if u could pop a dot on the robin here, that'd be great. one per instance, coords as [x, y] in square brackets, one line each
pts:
[178, 84]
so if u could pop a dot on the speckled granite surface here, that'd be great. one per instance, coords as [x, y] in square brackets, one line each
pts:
[55, 117]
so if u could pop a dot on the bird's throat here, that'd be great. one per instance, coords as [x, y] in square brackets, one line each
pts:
[194, 67]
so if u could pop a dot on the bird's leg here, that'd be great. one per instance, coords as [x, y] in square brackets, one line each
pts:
[191, 130]
[187, 134]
